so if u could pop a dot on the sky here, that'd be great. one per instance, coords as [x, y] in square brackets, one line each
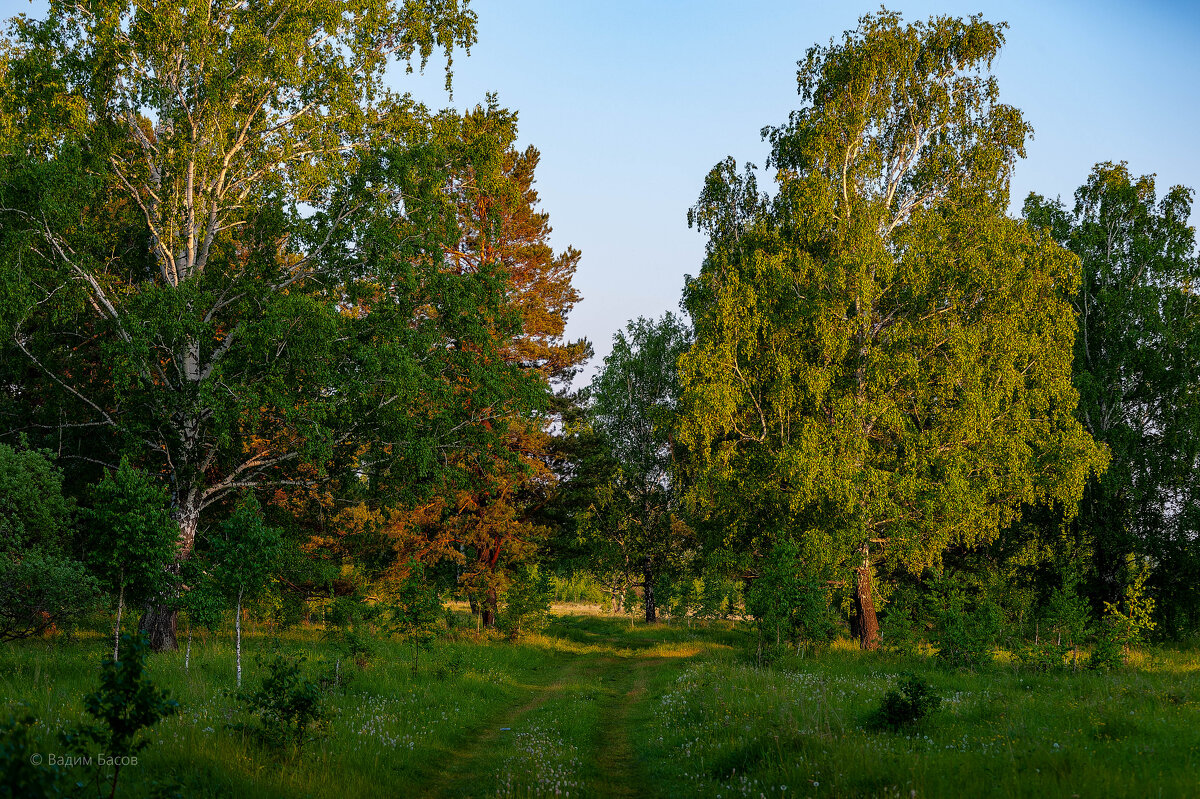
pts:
[631, 102]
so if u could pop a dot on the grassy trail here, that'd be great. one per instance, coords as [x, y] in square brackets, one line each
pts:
[573, 734]
[463, 778]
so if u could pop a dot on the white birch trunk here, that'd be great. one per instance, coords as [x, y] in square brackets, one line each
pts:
[117, 628]
[237, 623]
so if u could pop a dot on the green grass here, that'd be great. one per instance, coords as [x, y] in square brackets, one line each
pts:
[597, 707]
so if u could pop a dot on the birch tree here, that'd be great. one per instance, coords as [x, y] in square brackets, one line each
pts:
[882, 367]
[223, 238]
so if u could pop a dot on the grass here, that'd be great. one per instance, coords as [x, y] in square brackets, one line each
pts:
[596, 706]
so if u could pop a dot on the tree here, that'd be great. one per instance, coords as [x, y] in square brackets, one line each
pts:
[225, 240]
[881, 368]
[634, 402]
[491, 519]
[247, 554]
[41, 585]
[416, 611]
[1135, 368]
[131, 539]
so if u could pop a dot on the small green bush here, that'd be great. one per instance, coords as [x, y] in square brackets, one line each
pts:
[20, 776]
[964, 632]
[527, 603]
[125, 704]
[288, 706]
[915, 701]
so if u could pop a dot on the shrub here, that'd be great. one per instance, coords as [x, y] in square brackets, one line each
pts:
[1126, 624]
[125, 704]
[288, 706]
[20, 777]
[900, 631]
[527, 603]
[41, 589]
[913, 702]
[964, 633]
[788, 604]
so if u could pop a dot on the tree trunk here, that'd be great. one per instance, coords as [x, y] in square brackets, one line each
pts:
[489, 607]
[868, 624]
[117, 629]
[160, 620]
[187, 655]
[237, 625]
[648, 586]
[158, 624]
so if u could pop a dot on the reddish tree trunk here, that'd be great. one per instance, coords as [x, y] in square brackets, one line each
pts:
[868, 624]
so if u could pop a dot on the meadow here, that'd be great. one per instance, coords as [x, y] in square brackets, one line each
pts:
[599, 706]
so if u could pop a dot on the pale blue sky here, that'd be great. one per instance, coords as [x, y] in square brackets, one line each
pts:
[631, 102]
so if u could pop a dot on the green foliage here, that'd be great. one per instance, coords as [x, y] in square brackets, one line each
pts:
[1134, 366]
[21, 777]
[39, 590]
[527, 602]
[288, 706]
[903, 623]
[580, 586]
[40, 584]
[1126, 624]
[125, 705]
[915, 701]
[634, 408]
[417, 610]
[964, 630]
[247, 553]
[352, 624]
[882, 355]
[129, 535]
[788, 602]
[33, 511]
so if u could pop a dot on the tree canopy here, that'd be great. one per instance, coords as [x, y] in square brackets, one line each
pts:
[882, 355]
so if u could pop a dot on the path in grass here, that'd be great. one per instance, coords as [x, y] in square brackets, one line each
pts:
[573, 736]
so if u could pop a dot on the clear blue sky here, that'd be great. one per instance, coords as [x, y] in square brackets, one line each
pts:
[632, 101]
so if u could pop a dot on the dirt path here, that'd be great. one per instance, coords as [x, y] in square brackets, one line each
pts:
[463, 776]
[615, 760]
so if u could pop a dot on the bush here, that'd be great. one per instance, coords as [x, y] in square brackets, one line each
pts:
[125, 704]
[40, 586]
[915, 701]
[901, 629]
[964, 633]
[788, 605]
[579, 587]
[288, 706]
[40, 589]
[1126, 625]
[417, 612]
[20, 778]
[527, 603]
